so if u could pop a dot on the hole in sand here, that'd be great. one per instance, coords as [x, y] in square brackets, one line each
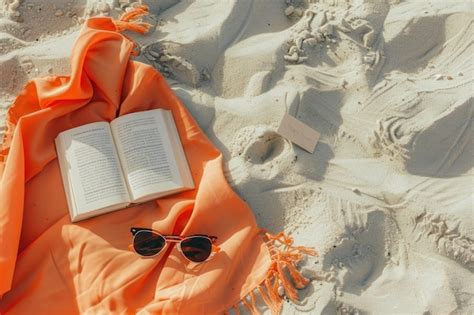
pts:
[265, 148]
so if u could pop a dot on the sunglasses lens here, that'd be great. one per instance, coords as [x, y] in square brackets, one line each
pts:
[147, 243]
[196, 249]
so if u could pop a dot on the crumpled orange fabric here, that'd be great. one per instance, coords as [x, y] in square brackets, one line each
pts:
[50, 266]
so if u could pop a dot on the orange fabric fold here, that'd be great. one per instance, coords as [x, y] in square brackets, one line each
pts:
[50, 266]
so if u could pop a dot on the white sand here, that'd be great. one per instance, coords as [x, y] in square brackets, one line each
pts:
[386, 198]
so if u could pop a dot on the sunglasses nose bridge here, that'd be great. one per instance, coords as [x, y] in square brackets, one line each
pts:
[177, 241]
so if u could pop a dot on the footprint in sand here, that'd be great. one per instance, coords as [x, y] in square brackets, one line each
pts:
[428, 143]
[259, 153]
[359, 257]
[265, 148]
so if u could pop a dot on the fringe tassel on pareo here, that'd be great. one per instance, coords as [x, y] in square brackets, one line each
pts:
[285, 257]
[125, 21]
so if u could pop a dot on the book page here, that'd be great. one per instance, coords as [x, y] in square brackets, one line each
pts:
[146, 153]
[178, 151]
[94, 168]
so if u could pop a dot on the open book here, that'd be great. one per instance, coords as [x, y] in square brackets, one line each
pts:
[135, 158]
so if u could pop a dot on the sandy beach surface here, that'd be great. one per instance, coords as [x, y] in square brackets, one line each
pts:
[386, 198]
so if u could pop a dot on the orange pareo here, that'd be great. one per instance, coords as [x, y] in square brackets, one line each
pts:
[50, 266]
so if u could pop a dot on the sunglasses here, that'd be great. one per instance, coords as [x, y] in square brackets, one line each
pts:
[195, 248]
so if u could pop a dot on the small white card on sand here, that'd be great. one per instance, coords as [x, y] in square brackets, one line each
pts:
[298, 132]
